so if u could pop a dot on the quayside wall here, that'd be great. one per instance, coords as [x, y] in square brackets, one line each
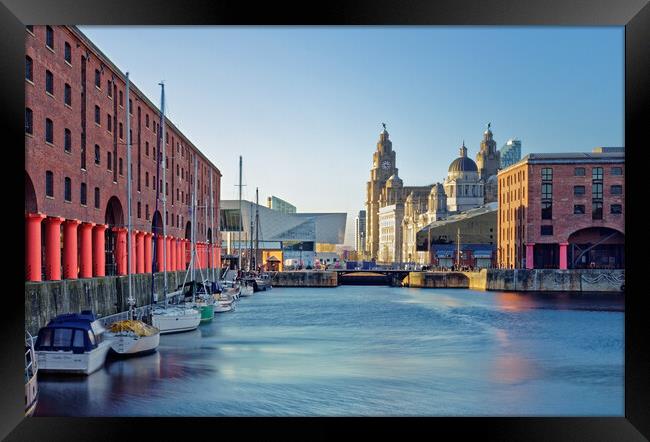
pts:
[104, 296]
[304, 279]
[522, 280]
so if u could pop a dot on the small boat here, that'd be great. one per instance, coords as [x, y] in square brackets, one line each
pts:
[133, 337]
[176, 318]
[72, 343]
[224, 306]
[246, 289]
[262, 282]
[31, 370]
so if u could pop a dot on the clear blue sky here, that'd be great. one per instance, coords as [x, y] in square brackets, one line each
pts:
[303, 105]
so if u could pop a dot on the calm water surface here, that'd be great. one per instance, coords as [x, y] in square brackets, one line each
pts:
[371, 351]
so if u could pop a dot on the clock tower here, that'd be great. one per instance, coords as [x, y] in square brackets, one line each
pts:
[383, 167]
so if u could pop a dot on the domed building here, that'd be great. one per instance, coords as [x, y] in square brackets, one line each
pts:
[395, 212]
[463, 186]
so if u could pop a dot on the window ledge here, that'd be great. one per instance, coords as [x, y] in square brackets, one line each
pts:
[30, 32]
[69, 106]
[68, 63]
[83, 205]
[69, 152]
[49, 144]
[27, 134]
[49, 49]
[97, 124]
[29, 81]
[47, 93]
[49, 197]
[67, 202]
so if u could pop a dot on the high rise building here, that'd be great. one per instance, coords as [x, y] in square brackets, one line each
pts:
[275, 203]
[510, 152]
[360, 232]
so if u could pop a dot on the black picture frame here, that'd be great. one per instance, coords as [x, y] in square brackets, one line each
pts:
[633, 14]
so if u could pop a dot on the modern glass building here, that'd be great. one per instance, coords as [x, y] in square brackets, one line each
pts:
[275, 203]
[295, 237]
[510, 152]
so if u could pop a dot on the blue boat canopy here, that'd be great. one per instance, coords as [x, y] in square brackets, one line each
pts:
[74, 332]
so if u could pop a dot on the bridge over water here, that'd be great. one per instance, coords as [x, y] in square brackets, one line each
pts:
[371, 277]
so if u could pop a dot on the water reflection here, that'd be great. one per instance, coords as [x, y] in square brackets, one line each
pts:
[371, 351]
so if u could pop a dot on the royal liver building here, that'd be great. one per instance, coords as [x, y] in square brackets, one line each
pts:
[395, 213]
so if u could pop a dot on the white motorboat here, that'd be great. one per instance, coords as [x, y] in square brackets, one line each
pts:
[175, 318]
[246, 290]
[72, 343]
[133, 337]
[224, 306]
[31, 371]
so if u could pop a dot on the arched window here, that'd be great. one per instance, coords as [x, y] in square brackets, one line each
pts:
[49, 82]
[49, 184]
[97, 155]
[96, 197]
[29, 69]
[49, 131]
[67, 190]
[109, 160]
[49, 37]
[67, 54]
[29, 121]
[82, 194]
[67, 94]
[98, 115]
[67, 137]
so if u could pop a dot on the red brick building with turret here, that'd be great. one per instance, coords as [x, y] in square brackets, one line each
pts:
[75, 168]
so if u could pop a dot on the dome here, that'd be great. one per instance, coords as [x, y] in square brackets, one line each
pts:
[463, 164]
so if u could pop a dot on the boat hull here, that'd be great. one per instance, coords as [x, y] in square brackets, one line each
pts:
[73, 363]
[31, 395]
[246, 291]
[134, 345]
[207, 312]
[175, 323]
[223, 306]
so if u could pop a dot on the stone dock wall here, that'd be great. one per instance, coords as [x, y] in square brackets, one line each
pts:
[537, 280]
[304, 279]
[104, 296]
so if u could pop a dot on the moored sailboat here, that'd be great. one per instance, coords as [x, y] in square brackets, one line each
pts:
[131, 336]
[169, 318]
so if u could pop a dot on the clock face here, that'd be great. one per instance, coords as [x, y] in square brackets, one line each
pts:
[385, 164]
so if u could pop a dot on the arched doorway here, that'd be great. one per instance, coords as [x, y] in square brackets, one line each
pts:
[188, 236]
[31, 204]
[114, 217]
[596, 247]
[156, 229]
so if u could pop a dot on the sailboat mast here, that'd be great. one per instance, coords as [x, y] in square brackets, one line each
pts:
[250, 255]
[241, 221]
[458, 250]
[212, 228]
[205, 225]
[164, 183]
[194, 218]
[257, 225]
[128, 190]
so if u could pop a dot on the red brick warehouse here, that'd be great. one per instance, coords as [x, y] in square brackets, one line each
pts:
[75, 168]
[563, 211]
